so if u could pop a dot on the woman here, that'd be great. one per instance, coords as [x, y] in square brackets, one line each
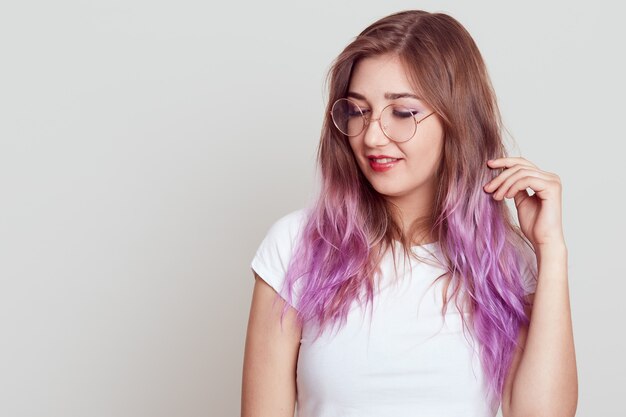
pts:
[412, 160]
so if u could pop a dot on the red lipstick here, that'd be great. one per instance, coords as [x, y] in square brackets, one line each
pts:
[379, 165]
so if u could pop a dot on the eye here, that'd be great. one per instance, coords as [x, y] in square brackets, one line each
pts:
[403, 112]
[366, 112]
[354, 111]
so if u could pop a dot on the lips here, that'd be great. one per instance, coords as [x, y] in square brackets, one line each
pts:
[381, 157]
[383, 166]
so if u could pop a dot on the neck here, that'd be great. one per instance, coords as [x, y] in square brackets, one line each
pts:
[414, 209]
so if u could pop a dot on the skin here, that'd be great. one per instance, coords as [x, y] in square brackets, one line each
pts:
[411, 183]
[270, 357]
[542, 379]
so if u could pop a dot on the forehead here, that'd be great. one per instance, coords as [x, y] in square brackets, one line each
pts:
[374, 76]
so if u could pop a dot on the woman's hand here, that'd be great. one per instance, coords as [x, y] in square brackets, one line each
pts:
[539, 215]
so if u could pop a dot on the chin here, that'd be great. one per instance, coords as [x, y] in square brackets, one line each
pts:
[388, 191]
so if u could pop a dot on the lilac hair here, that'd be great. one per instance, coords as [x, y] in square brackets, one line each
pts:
[349, 226]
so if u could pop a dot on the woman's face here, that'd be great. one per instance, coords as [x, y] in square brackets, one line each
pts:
[410, 180]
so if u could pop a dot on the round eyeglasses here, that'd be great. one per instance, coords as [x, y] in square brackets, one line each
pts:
[397, 122]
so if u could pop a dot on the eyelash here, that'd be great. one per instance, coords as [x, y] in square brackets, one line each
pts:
[409, 110]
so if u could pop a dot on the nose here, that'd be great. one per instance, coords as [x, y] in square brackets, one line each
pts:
[374, 135]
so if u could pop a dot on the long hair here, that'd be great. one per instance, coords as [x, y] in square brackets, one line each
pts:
[349, 225]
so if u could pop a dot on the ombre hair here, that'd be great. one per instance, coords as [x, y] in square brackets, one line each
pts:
[349, 226]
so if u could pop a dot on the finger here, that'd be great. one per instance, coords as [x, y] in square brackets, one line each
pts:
[496, 182]
[520, 196]
[539, 185]
[509, 161]
[520, 180]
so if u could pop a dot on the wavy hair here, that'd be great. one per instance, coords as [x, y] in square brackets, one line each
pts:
[349, 225]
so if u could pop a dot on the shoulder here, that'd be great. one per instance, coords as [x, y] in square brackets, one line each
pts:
[274, 253]
[287, 227]
[280, 238]
[292, 219]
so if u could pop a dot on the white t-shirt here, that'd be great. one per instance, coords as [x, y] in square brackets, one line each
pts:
[406, 362]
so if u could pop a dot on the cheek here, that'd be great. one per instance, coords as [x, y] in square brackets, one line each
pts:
[425, 158]
[356, 149]
[433, 143]
[354, 144]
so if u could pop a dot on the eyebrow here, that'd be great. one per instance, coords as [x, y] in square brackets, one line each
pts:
[388, 96]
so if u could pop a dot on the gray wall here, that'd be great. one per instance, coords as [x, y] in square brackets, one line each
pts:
[146, 147]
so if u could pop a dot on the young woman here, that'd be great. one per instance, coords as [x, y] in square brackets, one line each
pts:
[413, 163]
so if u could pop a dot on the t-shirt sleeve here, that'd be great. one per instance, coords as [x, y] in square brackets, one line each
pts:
[274, 253]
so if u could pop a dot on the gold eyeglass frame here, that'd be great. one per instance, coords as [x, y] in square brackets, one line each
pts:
[368, 120]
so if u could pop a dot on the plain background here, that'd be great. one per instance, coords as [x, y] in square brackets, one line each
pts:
[147, 146]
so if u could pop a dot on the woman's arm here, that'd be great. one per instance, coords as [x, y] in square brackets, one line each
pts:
[543, 379]
[270, 358]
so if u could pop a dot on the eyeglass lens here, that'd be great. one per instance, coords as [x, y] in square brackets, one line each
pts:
[397, 121]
